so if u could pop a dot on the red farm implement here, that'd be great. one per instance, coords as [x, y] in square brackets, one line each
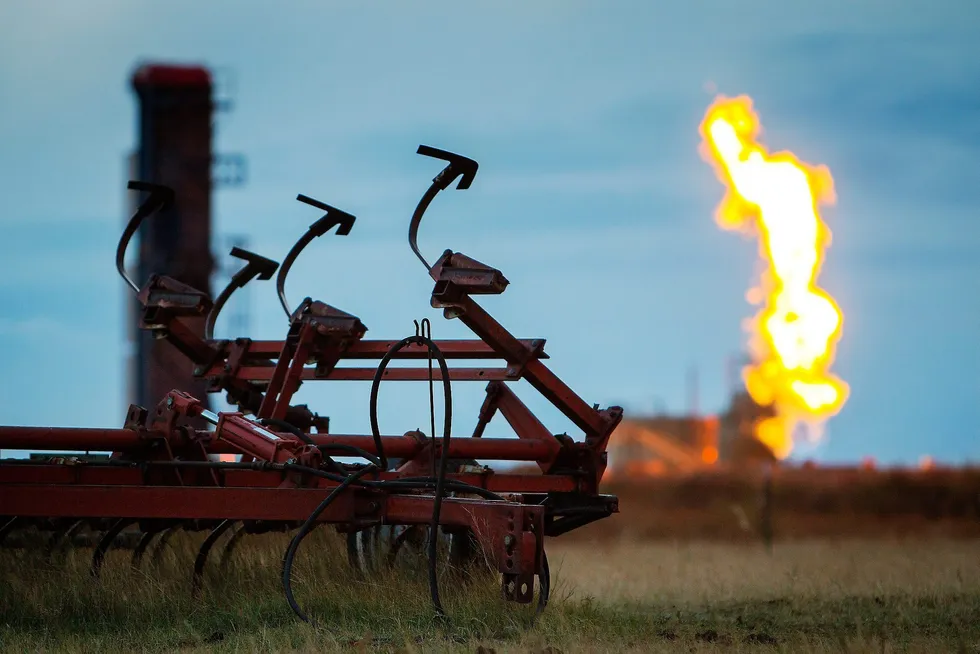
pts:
[165, 472]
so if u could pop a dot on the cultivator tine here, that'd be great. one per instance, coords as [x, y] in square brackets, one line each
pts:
[142, 546]
[160, 198]
[412, 533]
[108, 538]
[73, 531]
[333, 216]
[202, 555]
[458, 166]
[463, 549]
[236, 535]
[162, 543]
[256, 266]
[9, 527]
[363, 547]
[352, 557]
[61, 537]
[369, 539]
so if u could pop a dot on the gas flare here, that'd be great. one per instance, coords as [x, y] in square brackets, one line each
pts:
[794, 335]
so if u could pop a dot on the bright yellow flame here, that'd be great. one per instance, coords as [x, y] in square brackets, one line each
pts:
[795, 333]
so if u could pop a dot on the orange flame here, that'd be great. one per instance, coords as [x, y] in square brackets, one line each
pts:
[794, 335]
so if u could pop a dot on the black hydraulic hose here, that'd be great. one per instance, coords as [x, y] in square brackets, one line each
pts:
[287, 566]
[440, 480]
[376, 386]
[441, 476]
[432, 399]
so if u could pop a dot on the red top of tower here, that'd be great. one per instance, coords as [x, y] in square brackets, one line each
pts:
[172, 76]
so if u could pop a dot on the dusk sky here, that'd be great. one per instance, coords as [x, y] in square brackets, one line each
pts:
[591, 196]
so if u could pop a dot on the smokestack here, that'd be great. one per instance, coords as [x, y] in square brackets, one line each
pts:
[174, 149]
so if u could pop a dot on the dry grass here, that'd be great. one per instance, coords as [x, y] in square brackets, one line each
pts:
[615, 596]
[708, 572]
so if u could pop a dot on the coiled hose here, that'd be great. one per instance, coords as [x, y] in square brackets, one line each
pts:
[424, 339]
[380, 462]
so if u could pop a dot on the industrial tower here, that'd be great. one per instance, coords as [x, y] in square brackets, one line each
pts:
[174, 149]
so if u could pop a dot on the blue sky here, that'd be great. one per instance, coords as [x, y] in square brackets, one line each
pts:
[591, 196]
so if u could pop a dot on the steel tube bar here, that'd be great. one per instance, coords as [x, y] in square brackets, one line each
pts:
[376, 349]
[401, 447]
[127, 440]
[124, 478]
[265, 373]
[201, 503]
[68, 438]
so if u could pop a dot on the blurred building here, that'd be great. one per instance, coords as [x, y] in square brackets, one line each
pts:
[656, 444]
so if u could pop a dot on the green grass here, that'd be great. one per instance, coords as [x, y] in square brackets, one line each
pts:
[815, 596]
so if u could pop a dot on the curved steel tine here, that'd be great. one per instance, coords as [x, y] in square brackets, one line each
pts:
[458, 166]
[141, 547]
[256, 266]
[60, 537]
[396, 545]
[73, 530]
[233, 540]
[462, 551]
[360, 550]
[202, 555]
[9, 527]
[164, 539]
[160, 198]
[333, 216]
[369, 541]
[106, 542]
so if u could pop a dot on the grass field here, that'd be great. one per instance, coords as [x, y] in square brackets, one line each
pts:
[625, 595]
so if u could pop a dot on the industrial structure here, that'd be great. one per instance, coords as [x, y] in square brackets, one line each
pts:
[660, 443]
[175, 109]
